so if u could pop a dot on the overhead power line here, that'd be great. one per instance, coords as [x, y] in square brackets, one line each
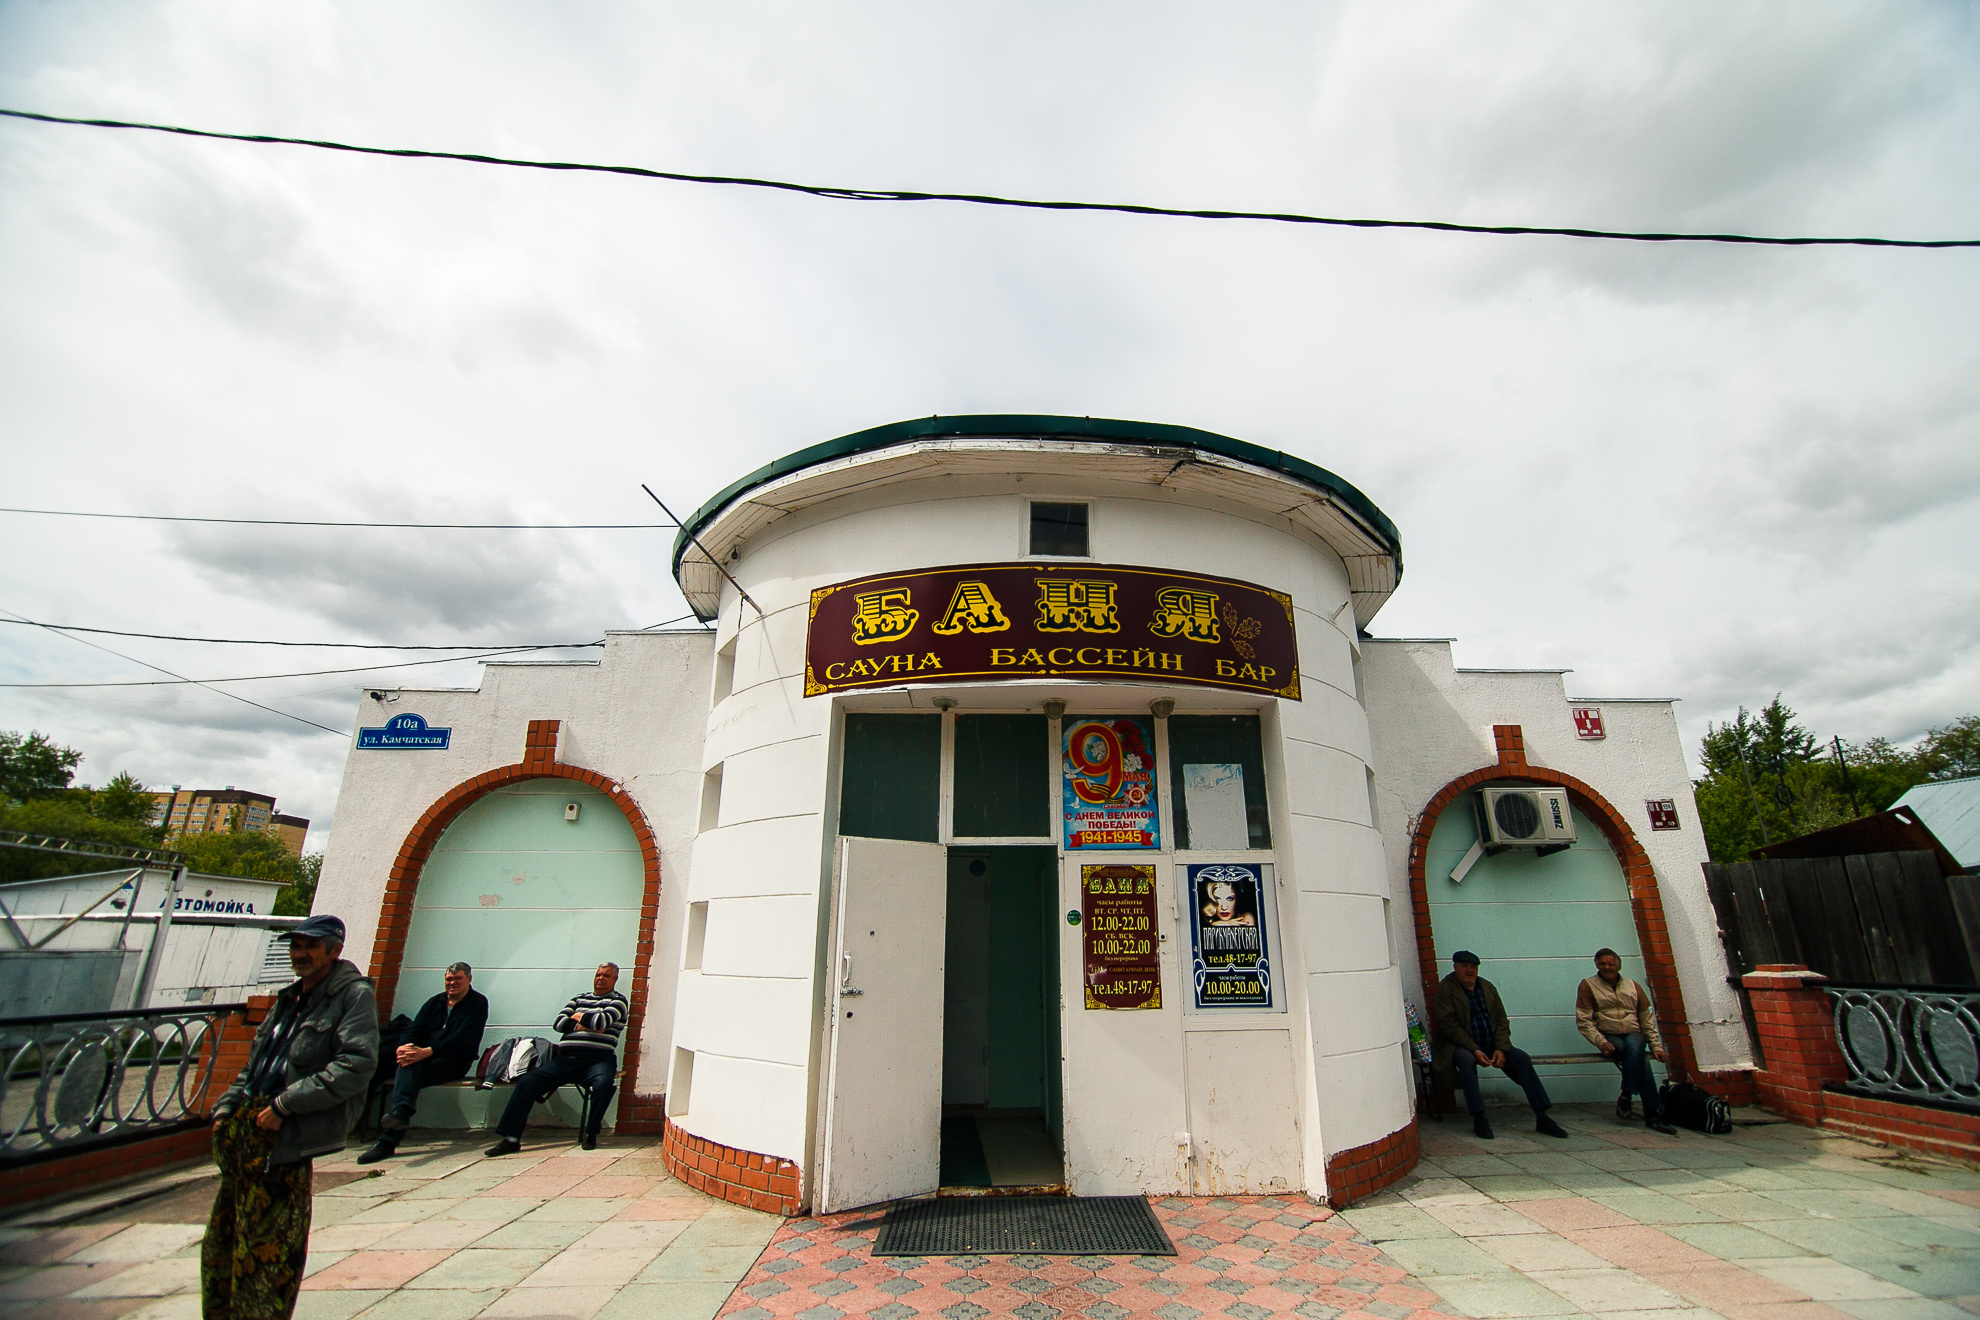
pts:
[306, 673]
[838, 193]
[347, 646]
[317, 522]
[233, 696]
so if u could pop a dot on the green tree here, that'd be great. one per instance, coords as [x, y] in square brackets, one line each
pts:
[34, 766]
[64, 817]
[300, 897]
[1768, 780]
[122, 801]
[1954, 751]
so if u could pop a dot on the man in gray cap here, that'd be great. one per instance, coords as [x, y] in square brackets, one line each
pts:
[1473, 1033]
[300, 1093]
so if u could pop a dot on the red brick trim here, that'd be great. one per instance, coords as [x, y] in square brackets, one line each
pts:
[641, 1115]
[1357, 1174]
[539, 762]
[761, 1182]
[95, 1170]
[1645, 901]
[1797, 1030]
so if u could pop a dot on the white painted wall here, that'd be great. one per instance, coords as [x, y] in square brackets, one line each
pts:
[1432, 722]
[635, 716]
[749, 1012]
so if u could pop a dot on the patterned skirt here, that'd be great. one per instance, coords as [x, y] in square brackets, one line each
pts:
[251, 1263]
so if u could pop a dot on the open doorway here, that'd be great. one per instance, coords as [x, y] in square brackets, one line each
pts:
[1001, 1120]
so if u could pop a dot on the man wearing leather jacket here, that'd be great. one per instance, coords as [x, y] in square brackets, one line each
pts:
[298, 1097]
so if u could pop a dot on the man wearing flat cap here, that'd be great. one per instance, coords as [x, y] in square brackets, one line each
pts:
[297, 1098]
[1473, 1033]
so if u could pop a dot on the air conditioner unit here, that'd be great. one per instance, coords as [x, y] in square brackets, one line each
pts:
[1539, 819]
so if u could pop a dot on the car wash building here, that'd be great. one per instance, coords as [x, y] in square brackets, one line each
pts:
[1038, 812]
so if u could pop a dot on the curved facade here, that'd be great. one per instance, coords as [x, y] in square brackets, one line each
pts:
[1324, 1064]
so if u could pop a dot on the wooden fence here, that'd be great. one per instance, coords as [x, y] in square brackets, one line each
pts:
[1892, 918]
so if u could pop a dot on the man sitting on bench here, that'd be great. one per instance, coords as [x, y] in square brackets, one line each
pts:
[587, 1057]
[1472, 1033]
[1614, 1013]
[441, 1046]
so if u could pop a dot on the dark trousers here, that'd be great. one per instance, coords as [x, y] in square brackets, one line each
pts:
[591, 1069]
[427, 1072]
[1519, 1067]
[1634, 1055]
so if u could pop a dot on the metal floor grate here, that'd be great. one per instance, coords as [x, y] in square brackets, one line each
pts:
[1024, 1225]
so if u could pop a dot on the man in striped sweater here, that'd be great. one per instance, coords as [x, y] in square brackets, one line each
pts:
[588, 1056]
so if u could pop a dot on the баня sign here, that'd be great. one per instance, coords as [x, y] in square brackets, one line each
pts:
[978, 622]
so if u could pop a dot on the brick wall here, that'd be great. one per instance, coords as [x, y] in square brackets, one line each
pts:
[761, 1182]
[641, 1115]
[98, 1167]
[1355, 1175]
[1797, 1030]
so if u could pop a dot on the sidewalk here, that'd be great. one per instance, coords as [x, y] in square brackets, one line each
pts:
[1772, 1222]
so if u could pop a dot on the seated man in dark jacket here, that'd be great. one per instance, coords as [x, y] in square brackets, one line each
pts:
[1473, 1033]
[442, 1046]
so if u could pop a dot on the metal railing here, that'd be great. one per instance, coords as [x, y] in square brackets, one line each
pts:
[87, 1079]
[1911, 1042]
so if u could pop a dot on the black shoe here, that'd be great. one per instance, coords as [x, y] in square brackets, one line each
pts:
[589, 1141]
[504, 1147]
[1657, 1124]
[1623, 1111]
[380, 1149]
[1481, 1128]
[1548, 1127]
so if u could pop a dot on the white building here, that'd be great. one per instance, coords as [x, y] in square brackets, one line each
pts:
[1038, 812]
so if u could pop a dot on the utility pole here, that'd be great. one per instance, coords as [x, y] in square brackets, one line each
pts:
[1848, 787]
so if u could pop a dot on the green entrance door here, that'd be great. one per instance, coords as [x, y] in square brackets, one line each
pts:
[1000, 1023]
[1535, 923]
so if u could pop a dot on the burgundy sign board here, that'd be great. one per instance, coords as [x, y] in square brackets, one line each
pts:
[977, 622]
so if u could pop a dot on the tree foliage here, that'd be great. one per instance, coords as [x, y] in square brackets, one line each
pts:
[1767, 779]
[34, 765]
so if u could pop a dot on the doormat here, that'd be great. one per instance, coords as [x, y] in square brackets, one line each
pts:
[1024, 1225]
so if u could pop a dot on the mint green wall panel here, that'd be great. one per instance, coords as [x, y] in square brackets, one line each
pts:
[1535, 923]
[1017, 979]
[534, 902]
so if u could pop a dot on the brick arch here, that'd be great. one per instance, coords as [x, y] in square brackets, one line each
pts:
[1646, 902]
[539, 762]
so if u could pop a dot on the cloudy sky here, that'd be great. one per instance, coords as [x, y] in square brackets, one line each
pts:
[1709, 473]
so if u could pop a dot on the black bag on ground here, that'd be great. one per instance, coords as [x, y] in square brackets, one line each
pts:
[1693, 1107]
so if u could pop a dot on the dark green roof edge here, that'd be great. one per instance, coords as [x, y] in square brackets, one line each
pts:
[1102, 429]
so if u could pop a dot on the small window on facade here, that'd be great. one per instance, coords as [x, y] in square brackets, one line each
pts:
[1058, 529]
[1217, 774]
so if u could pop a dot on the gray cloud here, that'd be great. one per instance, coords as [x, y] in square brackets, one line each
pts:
[1811, 471]
[1681, 116]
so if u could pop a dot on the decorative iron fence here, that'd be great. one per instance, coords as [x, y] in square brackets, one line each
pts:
[1911, 1042]
[86, 1079]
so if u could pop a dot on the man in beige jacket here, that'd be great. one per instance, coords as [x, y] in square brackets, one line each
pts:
[1616, 1016]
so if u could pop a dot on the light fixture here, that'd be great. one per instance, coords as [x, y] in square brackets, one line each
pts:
[1055, 710]
[1161, 708]
[943, 703]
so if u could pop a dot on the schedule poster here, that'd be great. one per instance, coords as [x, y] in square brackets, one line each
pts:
[1117, 910]
[1108, 769]
[1227, 936]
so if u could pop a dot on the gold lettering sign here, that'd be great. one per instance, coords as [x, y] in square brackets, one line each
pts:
[1085, 621]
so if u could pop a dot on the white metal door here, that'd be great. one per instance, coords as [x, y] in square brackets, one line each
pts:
[883, 1109]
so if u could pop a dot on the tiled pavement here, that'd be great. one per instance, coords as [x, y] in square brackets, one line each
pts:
[1769, 1222]
[1772, 1222]
[1250, 1257]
